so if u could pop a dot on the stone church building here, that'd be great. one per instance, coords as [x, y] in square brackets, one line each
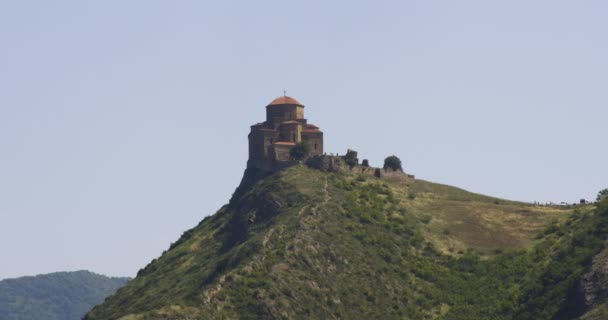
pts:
[285, 126]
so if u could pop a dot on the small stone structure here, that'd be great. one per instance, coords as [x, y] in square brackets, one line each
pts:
[351, 158]
[331, 163]
[285, 126]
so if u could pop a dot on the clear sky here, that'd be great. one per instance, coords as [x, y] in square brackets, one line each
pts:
[124, 123]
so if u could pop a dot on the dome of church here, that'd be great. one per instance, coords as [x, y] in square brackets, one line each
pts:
[285, 100]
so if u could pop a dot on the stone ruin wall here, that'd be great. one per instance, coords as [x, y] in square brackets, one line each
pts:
[338, 164]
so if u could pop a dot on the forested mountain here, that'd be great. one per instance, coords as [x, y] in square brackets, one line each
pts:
[60, 295]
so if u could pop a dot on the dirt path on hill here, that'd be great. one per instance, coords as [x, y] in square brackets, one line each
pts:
[326, 195]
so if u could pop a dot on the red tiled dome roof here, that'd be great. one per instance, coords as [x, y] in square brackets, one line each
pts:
[284, 100]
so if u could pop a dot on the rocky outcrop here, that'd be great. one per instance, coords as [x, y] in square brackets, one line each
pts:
[590, 292]
[594, 283]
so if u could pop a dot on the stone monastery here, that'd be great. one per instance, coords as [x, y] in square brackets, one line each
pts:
[285, 126]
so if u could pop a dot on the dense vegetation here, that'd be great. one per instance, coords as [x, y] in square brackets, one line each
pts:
[306, 244]
[300, 151]
[61, 295]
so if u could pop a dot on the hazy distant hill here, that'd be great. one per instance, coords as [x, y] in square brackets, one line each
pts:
[308, 244]
[61, 295]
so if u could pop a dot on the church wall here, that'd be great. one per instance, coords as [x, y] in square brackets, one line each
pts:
[282, 152]
[268, 139]
[298, 133]
[278, 113]
[252, 144]
[314, 139]
[256, 144]
[299, 112]
[291, 132]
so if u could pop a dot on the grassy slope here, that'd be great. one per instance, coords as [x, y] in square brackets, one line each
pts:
[61, 295]
[307, 244]
[598, 313]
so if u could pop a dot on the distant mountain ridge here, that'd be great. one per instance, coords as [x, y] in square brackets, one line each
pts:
[55, 296]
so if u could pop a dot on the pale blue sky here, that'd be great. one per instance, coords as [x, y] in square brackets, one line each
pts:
[124, 123]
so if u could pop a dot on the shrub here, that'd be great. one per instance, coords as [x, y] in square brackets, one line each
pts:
[602, 194]
[350, 161]
[426, 219]
[300, 151]
[392, 162]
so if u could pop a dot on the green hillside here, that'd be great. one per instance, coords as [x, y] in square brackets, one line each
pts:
[61, 295]
[309, 244]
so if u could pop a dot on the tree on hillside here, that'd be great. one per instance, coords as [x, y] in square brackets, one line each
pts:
[351, 158]
[393, 163]
[602, 194]
[300, 151]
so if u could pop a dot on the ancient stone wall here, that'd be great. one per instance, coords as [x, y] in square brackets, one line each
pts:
[281, 152]
[291, 132]
[339, 163]
[315, 140]
[256, 144]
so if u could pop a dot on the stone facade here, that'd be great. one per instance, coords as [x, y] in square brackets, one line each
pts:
[285, 126]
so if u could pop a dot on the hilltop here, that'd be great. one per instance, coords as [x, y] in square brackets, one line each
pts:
[59, 295]
[304, 243]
